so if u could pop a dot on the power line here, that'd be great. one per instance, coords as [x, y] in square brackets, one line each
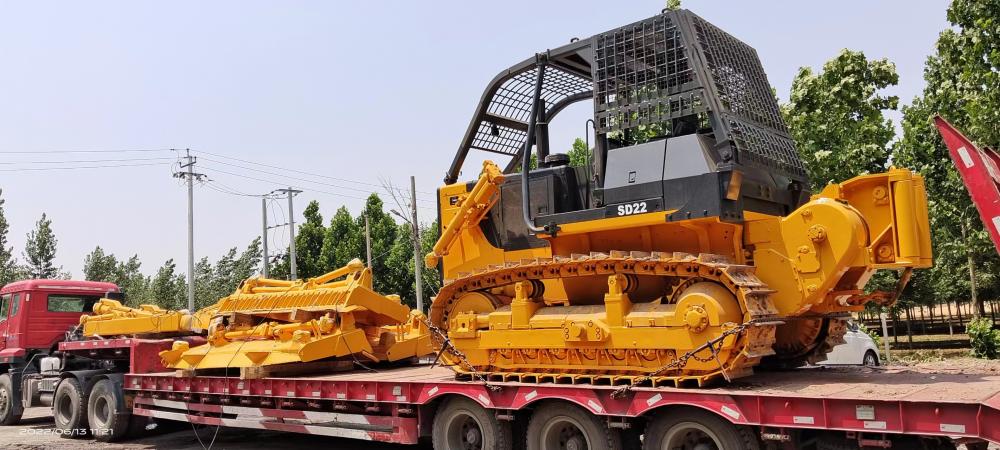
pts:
[13, 152]
[309, 189]
[87, 161]
[298, 171]
[219, 187]
[301, 179]
[82, 167]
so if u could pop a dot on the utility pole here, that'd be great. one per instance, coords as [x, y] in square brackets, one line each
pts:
[417, 264]
[190, 176]
[291, 232]
[265, 270]
[368, 242]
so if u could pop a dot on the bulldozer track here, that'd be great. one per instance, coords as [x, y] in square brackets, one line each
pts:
[832, 335]
[751, 339]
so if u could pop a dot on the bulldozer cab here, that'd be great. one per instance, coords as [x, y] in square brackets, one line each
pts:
[685, 122]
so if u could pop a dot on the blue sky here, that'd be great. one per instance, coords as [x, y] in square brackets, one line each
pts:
[362, 91]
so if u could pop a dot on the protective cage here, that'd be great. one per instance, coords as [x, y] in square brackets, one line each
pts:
[677, 65]
[671, 66]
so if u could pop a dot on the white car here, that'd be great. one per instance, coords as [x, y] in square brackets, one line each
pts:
[859, 349]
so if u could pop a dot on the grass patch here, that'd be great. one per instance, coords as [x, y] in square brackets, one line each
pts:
[931, 338]
[913, 357]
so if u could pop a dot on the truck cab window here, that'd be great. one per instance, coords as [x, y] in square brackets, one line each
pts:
[71, 303]
[4, 301]
[15, 303]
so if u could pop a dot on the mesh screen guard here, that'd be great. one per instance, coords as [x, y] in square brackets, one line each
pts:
[671, 66]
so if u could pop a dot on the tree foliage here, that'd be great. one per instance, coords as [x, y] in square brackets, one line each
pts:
[99, 266]
[309, 238]
[579, 154]
[40, 250]
[836, 117]
[8, 263]
[168, 288]
[343, 239]
[966, 58]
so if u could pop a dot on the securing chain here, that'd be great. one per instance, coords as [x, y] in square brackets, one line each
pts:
[680, 362]
[447, 346]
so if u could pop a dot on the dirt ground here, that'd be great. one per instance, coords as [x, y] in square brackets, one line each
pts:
[950, 361]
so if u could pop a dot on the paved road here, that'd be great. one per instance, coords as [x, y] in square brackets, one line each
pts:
[35, 432]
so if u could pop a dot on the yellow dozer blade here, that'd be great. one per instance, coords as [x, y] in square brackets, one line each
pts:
[268, 322]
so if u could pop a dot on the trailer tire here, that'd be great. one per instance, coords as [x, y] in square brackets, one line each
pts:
[461, 423]
[107, 423]
[556, 424]
[695, 426]
[69, 409]
[632, 438]
[7, 416]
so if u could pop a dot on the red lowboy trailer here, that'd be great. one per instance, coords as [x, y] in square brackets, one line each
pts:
[850, 407]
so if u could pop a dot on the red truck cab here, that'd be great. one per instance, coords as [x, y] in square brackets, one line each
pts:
[35, 314]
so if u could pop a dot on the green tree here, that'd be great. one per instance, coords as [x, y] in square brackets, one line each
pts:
[40, 250]
[223, 274]
[129, 277]
[204, 284]
[98, 266]
[8, 264]
[836, 117]
[342, 241]
[399, 267]
[957, 77]
[973, 47]
[167, 288]
[673, 5]
[431, 277]
[532, 164]
[383, 231]
[579, 154]
[309, 244]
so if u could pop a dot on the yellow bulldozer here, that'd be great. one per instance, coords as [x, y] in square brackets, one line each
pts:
[684, 247]
[270, 322]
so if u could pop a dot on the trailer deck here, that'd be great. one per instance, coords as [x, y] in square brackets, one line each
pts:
[387, 403]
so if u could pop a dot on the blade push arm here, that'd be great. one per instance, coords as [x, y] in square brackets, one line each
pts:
[473, 207]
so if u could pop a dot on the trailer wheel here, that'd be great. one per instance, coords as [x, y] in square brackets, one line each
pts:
[562, 426]
[632, 439]
[693, 428]
[107, 423]
[7, 416]
[462, 424]
[69, 409]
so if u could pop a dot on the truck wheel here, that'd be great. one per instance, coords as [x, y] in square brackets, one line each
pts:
[7, 416]
[107, 423]
[692, 428]
[461, 424]
[69, 409]
[564, 426]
